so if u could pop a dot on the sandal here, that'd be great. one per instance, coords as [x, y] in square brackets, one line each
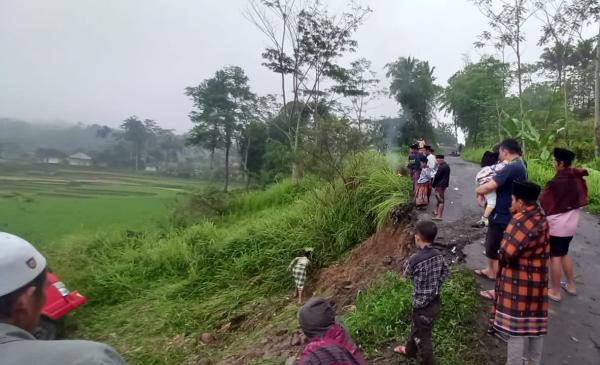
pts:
[554, 298]
[400, 350]
[565, 286]
[479, 272]
[487, 294]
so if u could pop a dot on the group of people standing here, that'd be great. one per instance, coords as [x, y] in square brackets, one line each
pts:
[429, 172]
[528, 232]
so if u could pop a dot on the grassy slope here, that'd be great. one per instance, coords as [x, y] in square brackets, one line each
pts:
[152, 296]
[542, 172]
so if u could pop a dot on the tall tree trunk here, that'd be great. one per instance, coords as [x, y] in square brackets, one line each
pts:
[246, 171]
[597, 97]
[519, 71]
[295, 169]
[566, 107]
[212, 158]
[227, 148]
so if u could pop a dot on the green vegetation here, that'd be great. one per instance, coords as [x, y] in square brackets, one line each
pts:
[542, 171]
[383, 317]
[44, 206]
[225, 269]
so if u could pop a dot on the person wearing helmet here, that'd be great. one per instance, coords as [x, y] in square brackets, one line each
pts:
[22, 297]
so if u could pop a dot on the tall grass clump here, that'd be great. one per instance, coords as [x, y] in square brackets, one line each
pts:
[229, 259]
[383, 317]
[473, 154]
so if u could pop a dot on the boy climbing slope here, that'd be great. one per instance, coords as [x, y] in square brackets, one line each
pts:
[428, 270]
[298, 268]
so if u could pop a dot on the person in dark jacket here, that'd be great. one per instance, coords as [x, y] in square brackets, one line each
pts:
[428, 270]
[328, 342]
[562, 200]
[440, 184]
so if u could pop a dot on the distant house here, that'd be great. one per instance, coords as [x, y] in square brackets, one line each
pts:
[50, 156]
[80, 159]
[151, 169]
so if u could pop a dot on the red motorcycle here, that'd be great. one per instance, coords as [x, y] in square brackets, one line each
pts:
[59, 302]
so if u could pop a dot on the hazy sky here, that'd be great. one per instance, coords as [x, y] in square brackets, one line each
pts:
[104, 60]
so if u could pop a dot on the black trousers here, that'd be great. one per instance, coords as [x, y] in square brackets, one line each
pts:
[419, 342]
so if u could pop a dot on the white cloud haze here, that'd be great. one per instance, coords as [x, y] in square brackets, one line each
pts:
[102, 61]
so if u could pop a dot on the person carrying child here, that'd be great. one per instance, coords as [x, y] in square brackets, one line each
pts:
[423, 185]
[489, 169]
[428, 270]
[298, 267]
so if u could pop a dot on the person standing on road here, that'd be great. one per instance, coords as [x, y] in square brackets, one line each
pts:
[510, 153]
[562, 200]
[520, 309]
[431, 162]
[428, 270]
[22, 296]
[414, 165]
[440, 183]
[423, 185]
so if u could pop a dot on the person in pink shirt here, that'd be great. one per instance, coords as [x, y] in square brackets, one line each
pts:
[562, 200]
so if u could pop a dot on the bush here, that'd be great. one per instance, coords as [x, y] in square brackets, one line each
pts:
[383, 317]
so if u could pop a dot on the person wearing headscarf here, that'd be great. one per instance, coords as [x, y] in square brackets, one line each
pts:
[328, 342]
[520, 309]
[562, 200]
[423, 185]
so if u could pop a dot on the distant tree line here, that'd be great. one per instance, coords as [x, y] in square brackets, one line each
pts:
[321, 112]
[557, 98]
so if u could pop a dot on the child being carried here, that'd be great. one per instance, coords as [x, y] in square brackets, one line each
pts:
[490, 168]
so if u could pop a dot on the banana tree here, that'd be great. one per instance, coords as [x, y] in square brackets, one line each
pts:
[541, 141]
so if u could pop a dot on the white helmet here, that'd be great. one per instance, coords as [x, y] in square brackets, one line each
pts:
[20, 263]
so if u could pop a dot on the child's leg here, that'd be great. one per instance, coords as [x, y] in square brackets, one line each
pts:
[515, 350]
[411, 345]
[533, 352]
[490, 200]
[424, 320]
[295, 291]
[299, 296]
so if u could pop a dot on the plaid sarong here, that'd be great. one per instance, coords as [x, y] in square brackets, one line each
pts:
[521, 304]
[299, 273]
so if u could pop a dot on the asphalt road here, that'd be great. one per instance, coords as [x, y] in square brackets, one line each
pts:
[574, 324]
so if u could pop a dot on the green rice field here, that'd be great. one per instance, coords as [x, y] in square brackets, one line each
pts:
[44, 205]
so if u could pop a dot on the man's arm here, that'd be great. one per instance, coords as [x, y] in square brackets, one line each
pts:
[487, 188]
